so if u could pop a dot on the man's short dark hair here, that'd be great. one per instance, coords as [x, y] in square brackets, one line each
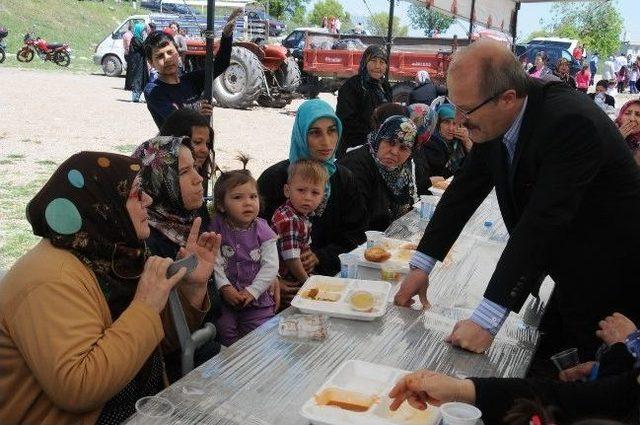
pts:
[157, 40]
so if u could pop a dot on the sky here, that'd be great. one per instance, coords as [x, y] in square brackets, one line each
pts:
[528, 17]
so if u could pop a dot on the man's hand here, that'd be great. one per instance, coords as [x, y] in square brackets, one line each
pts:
[423, 386]
[232, 296]
[309, 260]
[416, 282]
[230, 26]
[470, 336]
[615, 328]
[577, 373]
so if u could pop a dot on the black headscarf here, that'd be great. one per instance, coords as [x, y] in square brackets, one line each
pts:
[368, 83]
[82, 208]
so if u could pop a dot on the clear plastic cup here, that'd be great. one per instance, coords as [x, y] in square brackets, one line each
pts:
[456, 413]
[566, 359]
[390, 272]
[154, 410]
[373, 237]
[427, 206]
[348, 266]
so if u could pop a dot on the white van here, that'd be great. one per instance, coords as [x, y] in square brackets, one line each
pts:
[566, 43]
[109, 53]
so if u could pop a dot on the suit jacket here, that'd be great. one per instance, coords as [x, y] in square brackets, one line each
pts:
[570, 200]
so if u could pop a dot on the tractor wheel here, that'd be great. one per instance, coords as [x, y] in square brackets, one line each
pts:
[288, 77]
[241, 84]
[2, 55]
[25, 55]
[400, 92]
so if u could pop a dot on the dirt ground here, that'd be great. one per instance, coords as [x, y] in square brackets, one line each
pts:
[47, 116]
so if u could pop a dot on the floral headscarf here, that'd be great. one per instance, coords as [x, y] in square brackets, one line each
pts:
[633, 140]
[160, 179]
[425, 120]
[396, 129]
[82, 209]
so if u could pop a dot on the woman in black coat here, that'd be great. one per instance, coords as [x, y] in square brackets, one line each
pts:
[383, 168]
[360, 95]
[137, 73]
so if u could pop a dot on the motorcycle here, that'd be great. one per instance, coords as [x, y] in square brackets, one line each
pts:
[3, 46]
[58, 53]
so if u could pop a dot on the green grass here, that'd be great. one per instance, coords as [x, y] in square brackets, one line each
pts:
[15, 231]
[5, 161]
[82, 24]
[15, 156]
[46, 162]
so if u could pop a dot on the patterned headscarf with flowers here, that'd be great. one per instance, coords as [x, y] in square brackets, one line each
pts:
[633, 140]
[396, 129]
[161, 179]
[425, 119]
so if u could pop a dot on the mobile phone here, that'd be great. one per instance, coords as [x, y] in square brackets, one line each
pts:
[190, 262]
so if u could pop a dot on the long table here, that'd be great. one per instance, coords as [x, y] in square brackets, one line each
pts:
[265, 378]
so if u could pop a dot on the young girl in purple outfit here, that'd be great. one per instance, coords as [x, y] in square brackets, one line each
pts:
[248, 263]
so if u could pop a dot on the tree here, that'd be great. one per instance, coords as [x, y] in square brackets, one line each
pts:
[429, 20]
[283, 8]
[378, 24]
[598, 25]
[329, 8]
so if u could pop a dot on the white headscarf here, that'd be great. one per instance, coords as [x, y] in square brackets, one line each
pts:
[422, 76]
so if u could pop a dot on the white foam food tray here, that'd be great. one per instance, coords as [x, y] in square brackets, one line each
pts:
[400, 256]
[340, 291]
[372, 381]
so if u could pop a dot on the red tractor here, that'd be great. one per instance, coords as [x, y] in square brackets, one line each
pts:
[265, 74]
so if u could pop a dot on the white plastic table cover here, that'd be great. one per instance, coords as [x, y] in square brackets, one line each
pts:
[265, 378]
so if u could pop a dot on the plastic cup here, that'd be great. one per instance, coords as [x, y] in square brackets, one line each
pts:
[373, 236]
[348, 266]
[566, 359]
[456, 413]
[427, 206]
[390, 272]
[154, 410]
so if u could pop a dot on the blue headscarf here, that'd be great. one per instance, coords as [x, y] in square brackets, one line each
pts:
[309, 112]
[138, 30]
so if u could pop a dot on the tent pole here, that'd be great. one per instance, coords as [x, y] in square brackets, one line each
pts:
[471, 18]
[392, 4]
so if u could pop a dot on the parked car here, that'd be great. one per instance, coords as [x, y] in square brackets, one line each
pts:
[295, 39]
[566, 43]
[527, 54]
[109, 53]
[164, 7]
[276, 27]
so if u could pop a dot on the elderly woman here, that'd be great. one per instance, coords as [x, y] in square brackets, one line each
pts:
[382, 169]
[448, 147]
[628, 123]
[360, 95]
[562, 72]
[83, 324]
[339, 222]
[137, 73]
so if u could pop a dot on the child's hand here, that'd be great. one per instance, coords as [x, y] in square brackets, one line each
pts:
[232, 296]
[247, 298]
[228, 28]
[615, 328]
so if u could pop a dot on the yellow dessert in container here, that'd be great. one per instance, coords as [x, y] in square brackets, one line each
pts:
[362, 301]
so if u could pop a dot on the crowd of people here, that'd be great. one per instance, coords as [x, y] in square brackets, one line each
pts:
[92, 294]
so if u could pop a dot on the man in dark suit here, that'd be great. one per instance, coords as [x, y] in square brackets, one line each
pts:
[569, 193]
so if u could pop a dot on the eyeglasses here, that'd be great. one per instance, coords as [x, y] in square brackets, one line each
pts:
[466, 114]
